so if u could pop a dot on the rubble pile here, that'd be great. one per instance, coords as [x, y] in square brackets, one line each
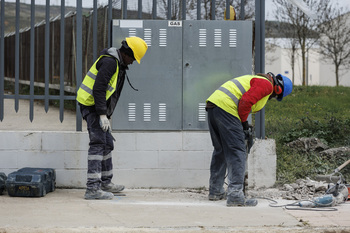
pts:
[303, 189]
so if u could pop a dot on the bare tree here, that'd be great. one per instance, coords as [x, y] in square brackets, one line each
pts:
[206, 8]
[335, 39]
[270, 46]
[175, 8]
[303, 26]
[293, 53]
[220, 7]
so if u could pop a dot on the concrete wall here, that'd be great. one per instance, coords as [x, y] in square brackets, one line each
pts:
[141, 159]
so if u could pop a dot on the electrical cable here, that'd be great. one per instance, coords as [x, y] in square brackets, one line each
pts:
[296, 204]
[127, 77]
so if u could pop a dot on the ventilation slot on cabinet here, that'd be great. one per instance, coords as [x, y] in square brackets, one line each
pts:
[148, 36]
[132, 112]
[162, 37]
[162, 112]
[233, 38]
[202, 37]
[217, 38]
[146, 112]
[132, 32]
[202, 115]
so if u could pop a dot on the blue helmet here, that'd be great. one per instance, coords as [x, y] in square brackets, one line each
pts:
[287, 86]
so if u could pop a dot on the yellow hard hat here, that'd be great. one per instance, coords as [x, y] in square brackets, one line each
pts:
[232, 14]
[138, 46]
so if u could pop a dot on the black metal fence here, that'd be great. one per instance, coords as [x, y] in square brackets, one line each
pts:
[58, 51]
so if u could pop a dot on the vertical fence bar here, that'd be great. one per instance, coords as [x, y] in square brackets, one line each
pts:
[79, 56]
[62, 44]
[169, 9]
[199, 3]
[32, 57]
[183, 9]
[228, 9]
[17, 56]
[212, 10]
[242, 10]
[154, 9]
[109, 26]
[139, 9]
[47, 54]
[260, 59]
[94, 32]
[2, 61]
[125, 9]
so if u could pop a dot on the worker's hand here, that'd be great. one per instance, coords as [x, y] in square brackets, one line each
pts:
[245, 125]
[104, 123]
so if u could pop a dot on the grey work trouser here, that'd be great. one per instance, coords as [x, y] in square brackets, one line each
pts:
[100, 167]
[229, 153]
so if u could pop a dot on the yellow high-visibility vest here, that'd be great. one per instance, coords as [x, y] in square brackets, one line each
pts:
[84, 95]
[229, 94]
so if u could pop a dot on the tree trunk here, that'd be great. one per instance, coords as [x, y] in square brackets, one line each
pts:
[304, 65]
[337, 75]
[293, 63]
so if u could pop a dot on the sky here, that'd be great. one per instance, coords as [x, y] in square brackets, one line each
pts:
[269, 6]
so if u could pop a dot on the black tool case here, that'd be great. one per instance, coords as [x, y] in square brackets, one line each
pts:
[31, 182]
[2, 182]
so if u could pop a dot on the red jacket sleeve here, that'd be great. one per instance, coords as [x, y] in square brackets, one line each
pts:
[259, 88]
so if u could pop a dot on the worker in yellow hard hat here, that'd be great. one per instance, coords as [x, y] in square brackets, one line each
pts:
[97, 97]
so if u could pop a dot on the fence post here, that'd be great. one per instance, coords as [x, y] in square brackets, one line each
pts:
[47, 54]
[260, 59]
[32, 57]
[2, 61]
[79, 59]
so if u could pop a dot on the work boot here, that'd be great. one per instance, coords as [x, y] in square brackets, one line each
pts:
[113, 188]
[241, 201]
[98, 194]
[217, 197]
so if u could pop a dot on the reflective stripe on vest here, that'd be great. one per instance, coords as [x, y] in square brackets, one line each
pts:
[227, 92]
[227, 96]
[85, 92]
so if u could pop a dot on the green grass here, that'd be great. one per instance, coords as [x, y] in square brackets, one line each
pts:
[322, 112]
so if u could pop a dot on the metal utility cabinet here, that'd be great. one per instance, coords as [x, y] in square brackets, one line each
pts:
[185, 62]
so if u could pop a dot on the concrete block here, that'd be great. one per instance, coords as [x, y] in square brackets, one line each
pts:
[197, 141]
[12, 140]
[53, 159]
[160, 178]
[61, 141]
[124, 141]
[75, 159]
[169, 159]
[193, 178]
[8, 160]
[159, 141]
[135, 159]
[195, 160]
[71, 178]
[147, 178]
[262, 164]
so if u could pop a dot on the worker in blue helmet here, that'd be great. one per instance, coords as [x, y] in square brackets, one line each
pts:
[228, 109]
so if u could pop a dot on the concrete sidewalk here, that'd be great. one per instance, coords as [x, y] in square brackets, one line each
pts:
[159, 210]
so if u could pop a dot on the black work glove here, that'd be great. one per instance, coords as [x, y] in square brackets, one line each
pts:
[245, 125]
